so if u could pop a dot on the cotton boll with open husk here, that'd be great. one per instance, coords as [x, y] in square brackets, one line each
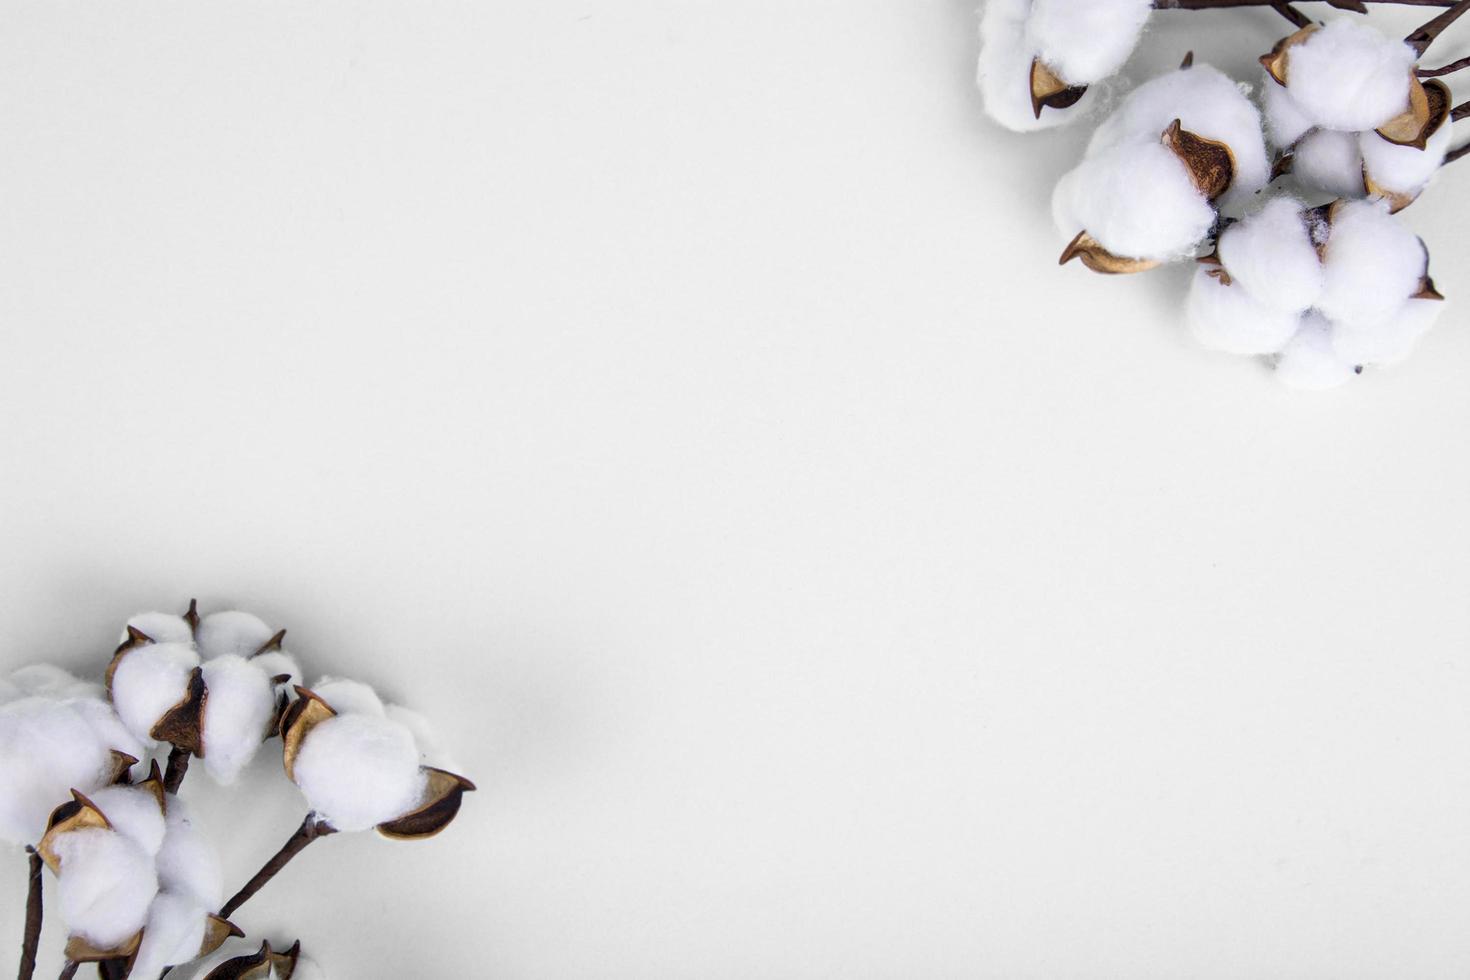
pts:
[1345, 75]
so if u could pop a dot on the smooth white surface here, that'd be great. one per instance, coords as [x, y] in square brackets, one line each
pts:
[681, 404]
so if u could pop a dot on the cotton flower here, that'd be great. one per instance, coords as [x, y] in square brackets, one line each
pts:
[359, 766]
[213, 687]
[1326, 290]
[1147, 190]
[1353, 119]
[1038, 57]
[56, 735]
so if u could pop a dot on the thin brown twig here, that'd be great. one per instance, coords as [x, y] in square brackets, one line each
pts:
[69, 970]
[1421, 38]
[1460, 112]
[1457, 153]
[178, 768]
[1448, 69]
[32, 937]
[1292, 14]
[311, 828]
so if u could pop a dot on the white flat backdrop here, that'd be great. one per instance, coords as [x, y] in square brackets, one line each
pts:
[680, 401]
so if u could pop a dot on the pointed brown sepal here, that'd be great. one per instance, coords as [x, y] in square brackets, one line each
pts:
[191, 615]
[154, 784]
[1396, 201]
[1216, 268]
[274, 643]
[442, 798]
[285, 963]
[303, 714]
[135, 638]
[1188, 61]
[181, 725]
[251, 966]
[1099, 259]
[216, 931]
[78, 814]
[1283, 163]
[1427, 290]
[1048, 91]
[1210, 163]
[78, 950]
[1429, 109]
[122, 768]
[1275, 61]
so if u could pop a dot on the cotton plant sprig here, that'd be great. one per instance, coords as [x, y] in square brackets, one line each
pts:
[1184, 168]
[138, 882]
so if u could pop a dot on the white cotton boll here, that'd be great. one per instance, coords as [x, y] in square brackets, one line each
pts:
[1138, 201]
[1329, 161]
[106, 884]
[277, 662]
[173, 934]
[149, 680]
[1310, 361]
[349, 697]
[132, 812]
[1372, 264]
[1003, 72]
[1388, 341]
[1085, 41]
[431, 748]
[1350, 76]
[237, 713]
[1227, 318]
[1271, 256]
[1206, 103]
[188, 863]
[1285, 121]
[107, 726]
[50, 681]
[47, 749]
[161, 627]
[1404, 169]
[232, 633]
[358, 771]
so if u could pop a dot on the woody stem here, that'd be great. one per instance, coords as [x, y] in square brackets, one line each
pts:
[311, 828]
[69, 970]
[1421, 39]
[178, 768]
[1448, 69]
[33, 918]
[1297, 18]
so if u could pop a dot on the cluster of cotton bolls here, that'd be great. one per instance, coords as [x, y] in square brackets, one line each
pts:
[1181, 166]
[139, 885]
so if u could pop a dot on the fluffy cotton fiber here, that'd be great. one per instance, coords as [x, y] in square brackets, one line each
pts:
[187, 863]
[1373, 264]
[1003, 72]
[49, 681]
[1085, 41]
[1136, 200]
[349, 697]
[1228, 318]
[106, 884]
[1350, 76]
[1329, 161]
[1286, 122]
[1310, 361]
[1404, 169]
[161, 627]
[237, 713]
[1271, 256]
[148, 681]
[1388, 341]
[232, 633]
[359, 770]
[47, 749]
[173, 934]
[134, 813]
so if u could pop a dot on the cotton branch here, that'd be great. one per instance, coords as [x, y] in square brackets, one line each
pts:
[311, 828]
[1292, 14]
[178, 767]
[1448, 69]
[33, 918]
[1421, 39]
[69, 970]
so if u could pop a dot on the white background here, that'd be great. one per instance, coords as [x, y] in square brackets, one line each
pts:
[681, 403]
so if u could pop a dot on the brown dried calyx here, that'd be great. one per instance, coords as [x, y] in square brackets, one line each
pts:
[263, 964]
[1050, 91]
[1099, 259]
[1429, 109]
[1215, 268]
[1277, 60]
[1210, 163]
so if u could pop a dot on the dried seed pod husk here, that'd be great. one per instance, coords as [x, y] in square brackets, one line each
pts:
[1099, 259]
[1049, 91]
[442, 799]
[1397, 201]
[1427, 290]
[259, 965]
[1210, 163]
[1283, 163]
[303, 714]
[122, 767]
[274, 643]
[1429, 109]
[154, 784]
[79, 813]
[182, 725]
[1275, 61]
[80, 951]
[135, 638]
[191, 616]
[216, 931]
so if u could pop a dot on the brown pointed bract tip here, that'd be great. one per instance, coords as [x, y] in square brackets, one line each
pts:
[1210, 163]
[154, 785]
[274, 643]
[1396, 201]
[181, 725]
[1049, 91]
[191, 615]
[79, 813]
[1188, 61]
[133, 639]
[1282, 165]
[1099, 259]
[442, 798]
[1274, 61]
[1427, 290]
[216, 931]
[80, 951]
[303, 714]
[251, 966]
[122, 766]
